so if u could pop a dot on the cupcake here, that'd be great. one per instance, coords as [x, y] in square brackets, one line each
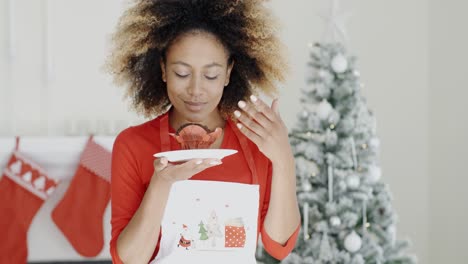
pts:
[196, 136]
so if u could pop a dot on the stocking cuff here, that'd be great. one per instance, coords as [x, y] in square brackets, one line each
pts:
[30, 176]
[97, 159]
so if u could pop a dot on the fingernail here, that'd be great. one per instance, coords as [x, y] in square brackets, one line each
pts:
[239, 125]
[163, 161]
[215, 162]
[253, 98]
[241, 104]
[198, 162]
[237, 113]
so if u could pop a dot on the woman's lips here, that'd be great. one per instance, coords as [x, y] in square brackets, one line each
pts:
[194, 106]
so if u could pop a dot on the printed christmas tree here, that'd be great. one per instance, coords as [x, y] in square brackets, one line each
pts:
[203, 232]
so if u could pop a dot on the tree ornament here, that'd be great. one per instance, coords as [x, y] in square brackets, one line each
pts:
[353, 181]
[306, 186]
[339, 63]
[374, 173]
[335, 221]
[374, 143]
[353, 242]
[324, 109]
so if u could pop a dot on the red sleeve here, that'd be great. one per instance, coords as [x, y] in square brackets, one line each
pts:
[274, 248]
[127, 191]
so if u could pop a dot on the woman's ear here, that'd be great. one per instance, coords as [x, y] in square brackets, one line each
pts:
[228, 75]
[163, 70]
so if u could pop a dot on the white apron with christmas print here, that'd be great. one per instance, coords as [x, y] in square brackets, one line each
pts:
[210, 221]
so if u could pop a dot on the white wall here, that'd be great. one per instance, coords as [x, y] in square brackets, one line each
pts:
[391, 39]
[409, 58]
[448, 131]
[75, 32]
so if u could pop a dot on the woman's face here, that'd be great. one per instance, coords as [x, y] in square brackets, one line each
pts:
[196, 72]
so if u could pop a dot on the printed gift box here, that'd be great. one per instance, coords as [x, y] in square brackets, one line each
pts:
[234, 233]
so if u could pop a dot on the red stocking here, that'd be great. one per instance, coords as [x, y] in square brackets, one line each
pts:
[24, 187]
[79, 214]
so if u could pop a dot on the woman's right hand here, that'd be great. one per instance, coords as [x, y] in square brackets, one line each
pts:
[170, 173]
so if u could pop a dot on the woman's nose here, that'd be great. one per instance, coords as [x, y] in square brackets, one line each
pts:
[195, 86]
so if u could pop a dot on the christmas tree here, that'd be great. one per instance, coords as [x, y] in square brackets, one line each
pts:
[202, 231]
[346, 209]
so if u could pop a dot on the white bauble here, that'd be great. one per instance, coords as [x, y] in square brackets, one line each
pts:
[335, 221]
[339, 63]
[353, 242]
[324, 109]
[374, 143]
[353, 181]
[374, 173]
[306, 186]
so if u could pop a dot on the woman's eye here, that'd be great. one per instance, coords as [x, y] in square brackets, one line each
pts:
[212, 78]
[181, 75]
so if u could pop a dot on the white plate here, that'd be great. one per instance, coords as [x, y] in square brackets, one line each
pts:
[187, 154]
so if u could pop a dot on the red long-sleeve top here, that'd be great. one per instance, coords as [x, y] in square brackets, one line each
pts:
[132, 169]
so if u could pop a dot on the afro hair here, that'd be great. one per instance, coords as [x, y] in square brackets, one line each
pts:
[246, 28]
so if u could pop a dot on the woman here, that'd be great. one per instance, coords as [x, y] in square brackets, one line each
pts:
[201, 61]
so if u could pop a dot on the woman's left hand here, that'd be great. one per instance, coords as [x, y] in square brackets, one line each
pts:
[263, 125]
